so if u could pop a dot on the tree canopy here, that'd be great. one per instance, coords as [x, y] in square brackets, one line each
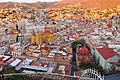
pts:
[18, 77]
[118, 63]
[8, 70]
[87, 65]
[80, 42]
[24, 77]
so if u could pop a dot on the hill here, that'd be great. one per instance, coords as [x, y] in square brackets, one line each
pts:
[100, 4]
[37, 5]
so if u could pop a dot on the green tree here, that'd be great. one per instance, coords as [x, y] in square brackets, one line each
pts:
[8, 70]
[81, 42]
[118, 63]
[18, 77]
[24, 77]
[87, 65]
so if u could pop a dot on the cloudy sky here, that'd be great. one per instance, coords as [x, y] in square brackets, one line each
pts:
[28, 0]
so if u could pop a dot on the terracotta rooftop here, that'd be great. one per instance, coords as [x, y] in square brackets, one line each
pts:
[106, 53]
[40, 64]
[84, 51]
[84, 59]
[67, 69]
[47, 31]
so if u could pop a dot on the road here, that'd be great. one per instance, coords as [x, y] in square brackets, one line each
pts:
[74, 63]
[113, 77]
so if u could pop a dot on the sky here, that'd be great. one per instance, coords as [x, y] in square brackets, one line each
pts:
[29, 1]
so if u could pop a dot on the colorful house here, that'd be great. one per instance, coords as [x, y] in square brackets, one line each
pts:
[105, 57]
[83, 55]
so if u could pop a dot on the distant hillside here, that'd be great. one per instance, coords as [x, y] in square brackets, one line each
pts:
[37, 5]
[101, 4]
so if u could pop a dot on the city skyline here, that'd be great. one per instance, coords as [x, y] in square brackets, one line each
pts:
[61, 40]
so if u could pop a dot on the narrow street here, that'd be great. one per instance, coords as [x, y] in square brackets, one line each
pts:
[73, 62]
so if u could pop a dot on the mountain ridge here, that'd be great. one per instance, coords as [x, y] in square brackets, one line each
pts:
[100, 4]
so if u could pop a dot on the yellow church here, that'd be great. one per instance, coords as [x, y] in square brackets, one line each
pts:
[47, 36]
